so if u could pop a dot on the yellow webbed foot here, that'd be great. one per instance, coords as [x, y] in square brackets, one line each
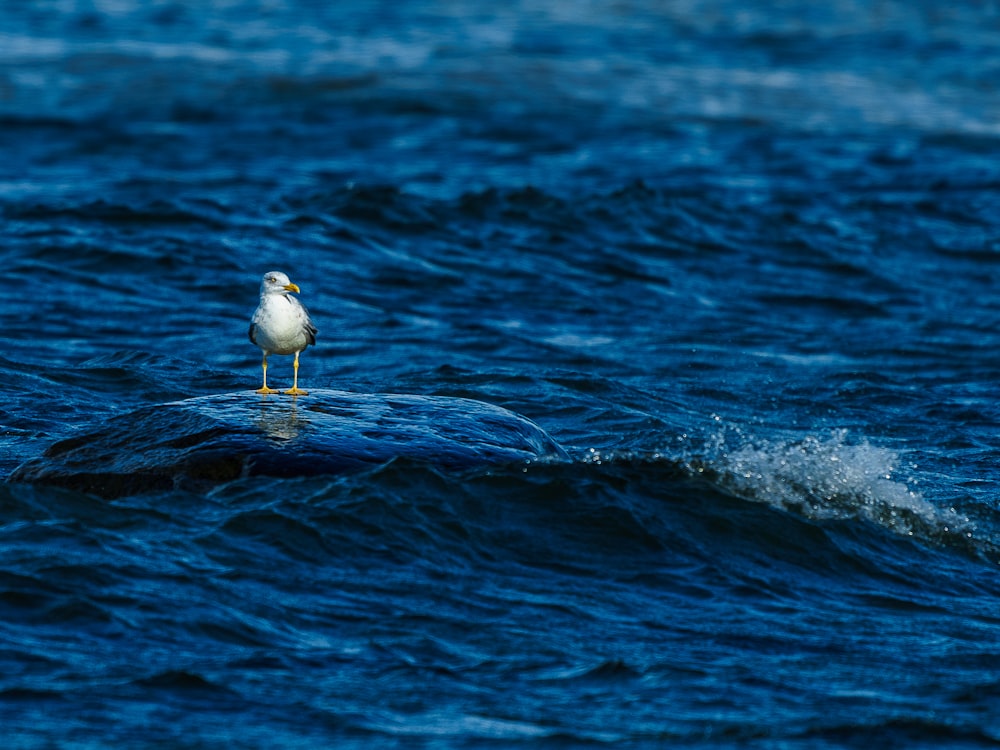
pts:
[296, 392]
[266, 391]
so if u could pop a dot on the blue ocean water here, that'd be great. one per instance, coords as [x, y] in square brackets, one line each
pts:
[738, 259]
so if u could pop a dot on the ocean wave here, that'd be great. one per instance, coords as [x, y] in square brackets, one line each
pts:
[832, 477]
[826, 477]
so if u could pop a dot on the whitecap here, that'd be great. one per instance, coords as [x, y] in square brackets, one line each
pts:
[828, 477]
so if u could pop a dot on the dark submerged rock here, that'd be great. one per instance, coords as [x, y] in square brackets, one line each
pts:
[213, 439]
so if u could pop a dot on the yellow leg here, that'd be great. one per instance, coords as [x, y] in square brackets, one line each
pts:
[295, 390]
[264, 389]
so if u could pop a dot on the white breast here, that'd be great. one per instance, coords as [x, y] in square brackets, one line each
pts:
[281, 325]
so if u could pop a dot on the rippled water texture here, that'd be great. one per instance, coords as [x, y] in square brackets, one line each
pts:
[654, 398]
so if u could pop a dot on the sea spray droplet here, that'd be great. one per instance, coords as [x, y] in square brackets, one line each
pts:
[827, 478]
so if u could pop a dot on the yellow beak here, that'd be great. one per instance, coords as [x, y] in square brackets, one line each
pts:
[291, 287]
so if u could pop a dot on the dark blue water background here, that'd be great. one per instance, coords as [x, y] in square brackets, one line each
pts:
[739, 259]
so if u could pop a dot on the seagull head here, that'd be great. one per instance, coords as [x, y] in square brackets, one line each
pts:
[275, 282]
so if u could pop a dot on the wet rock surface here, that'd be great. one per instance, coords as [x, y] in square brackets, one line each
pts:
[205, 441]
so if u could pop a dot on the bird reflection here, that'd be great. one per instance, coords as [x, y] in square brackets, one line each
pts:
[280, 420]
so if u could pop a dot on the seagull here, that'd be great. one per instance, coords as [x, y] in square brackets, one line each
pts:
[281, 325]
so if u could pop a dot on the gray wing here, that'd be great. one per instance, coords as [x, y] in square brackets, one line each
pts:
[311, 330]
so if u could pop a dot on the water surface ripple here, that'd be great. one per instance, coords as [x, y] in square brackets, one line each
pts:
[738, 261]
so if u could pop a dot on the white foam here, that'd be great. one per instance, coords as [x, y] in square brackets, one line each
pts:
[827, 477]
